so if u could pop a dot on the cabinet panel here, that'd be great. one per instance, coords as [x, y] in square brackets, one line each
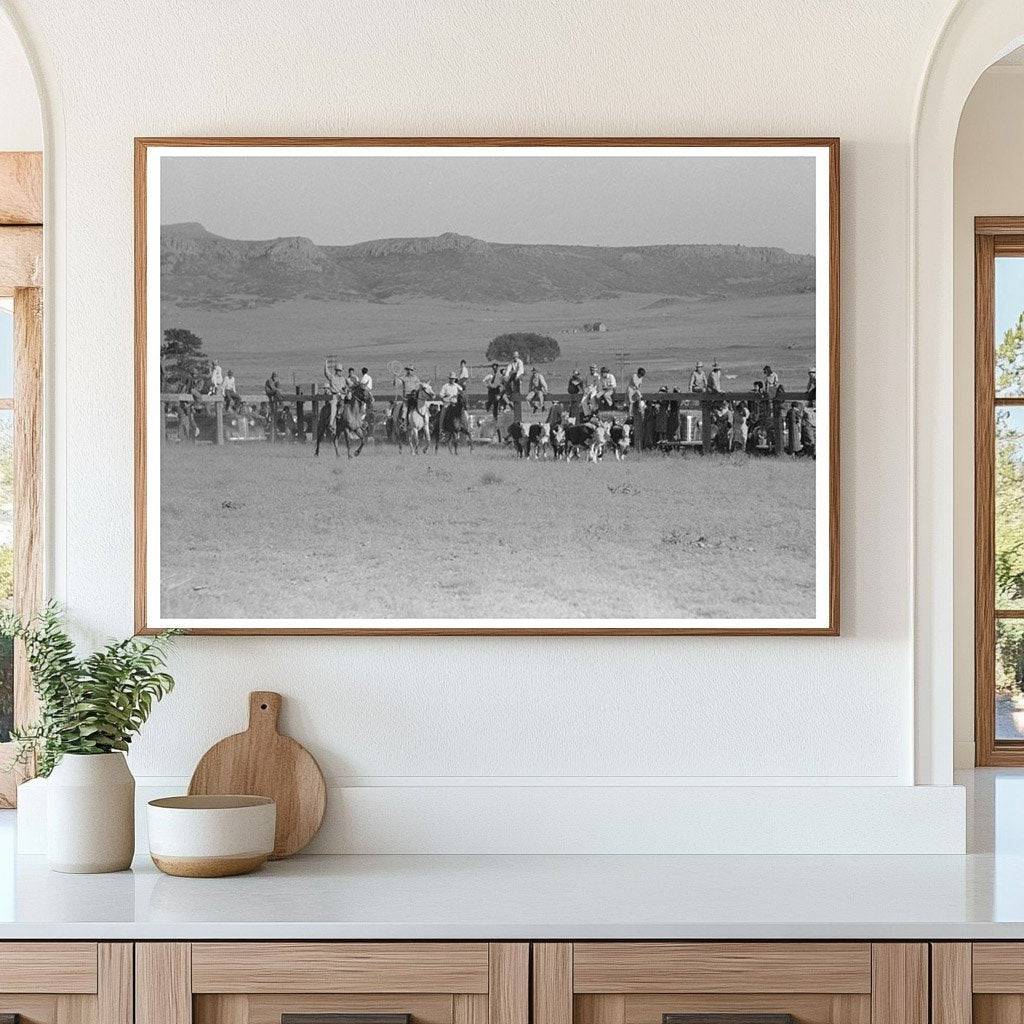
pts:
[67, 982]
[757, 967]
[268, 1009]
[48, 967]
[258, 982]
[998, 967]
[339, 967]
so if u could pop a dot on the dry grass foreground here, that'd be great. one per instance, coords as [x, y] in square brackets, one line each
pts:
[267, 531]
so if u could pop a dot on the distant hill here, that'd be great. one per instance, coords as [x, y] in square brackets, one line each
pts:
[202, 269]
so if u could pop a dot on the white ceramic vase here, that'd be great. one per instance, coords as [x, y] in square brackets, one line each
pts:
[90, 814]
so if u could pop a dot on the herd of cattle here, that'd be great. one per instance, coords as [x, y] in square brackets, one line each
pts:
[566, 440]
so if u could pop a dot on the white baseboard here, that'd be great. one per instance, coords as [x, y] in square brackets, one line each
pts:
[599, 819]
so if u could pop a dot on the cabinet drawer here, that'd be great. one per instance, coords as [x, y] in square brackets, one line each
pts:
[263, 982]
[66, 982]
[634, 967]
[340, 967]
[48, 967]
[734, 982]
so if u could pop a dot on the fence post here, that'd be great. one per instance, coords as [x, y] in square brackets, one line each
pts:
[705, 425]
[219, 409]
[300, 422]
[777, 416]
[163, 419]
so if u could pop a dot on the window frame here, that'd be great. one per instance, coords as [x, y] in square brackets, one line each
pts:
[993, 237]
[21, 269]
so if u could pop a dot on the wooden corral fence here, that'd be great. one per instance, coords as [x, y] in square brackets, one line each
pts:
[305, 402]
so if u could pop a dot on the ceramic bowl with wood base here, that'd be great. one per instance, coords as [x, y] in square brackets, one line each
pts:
[211, 836]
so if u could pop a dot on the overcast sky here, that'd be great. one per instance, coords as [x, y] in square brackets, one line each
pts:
[624, 200]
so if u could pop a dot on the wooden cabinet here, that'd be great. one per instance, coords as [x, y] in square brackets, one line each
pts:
[979, 982]
[261, 982]
[815, 982]
[66, 982]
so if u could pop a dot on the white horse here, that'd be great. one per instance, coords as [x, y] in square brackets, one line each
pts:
[417, 420]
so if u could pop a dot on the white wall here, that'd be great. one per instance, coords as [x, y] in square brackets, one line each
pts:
[988, 181]
[441, 713]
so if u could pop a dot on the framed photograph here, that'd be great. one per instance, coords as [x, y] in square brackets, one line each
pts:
[487, 386]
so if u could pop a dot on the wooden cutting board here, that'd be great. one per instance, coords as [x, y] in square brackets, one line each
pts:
[262, 762]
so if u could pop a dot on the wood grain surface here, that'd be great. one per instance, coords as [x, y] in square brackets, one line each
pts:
[364, 967]
[722, 967]
[262, 762]
[21, 188]
[69, 967]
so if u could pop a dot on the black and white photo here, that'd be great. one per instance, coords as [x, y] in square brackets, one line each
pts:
[470, 386]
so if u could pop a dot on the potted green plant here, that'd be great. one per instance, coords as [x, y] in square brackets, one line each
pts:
[89, 710]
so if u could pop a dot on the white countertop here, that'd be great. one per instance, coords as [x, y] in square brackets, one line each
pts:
[532, 897]
[978, 896]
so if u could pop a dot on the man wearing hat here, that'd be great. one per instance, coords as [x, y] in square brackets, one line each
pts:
[450, 391]
[493, 381]
[607, 386]
[337, 383]
[715, 378]
[409, 384]
[698, 380]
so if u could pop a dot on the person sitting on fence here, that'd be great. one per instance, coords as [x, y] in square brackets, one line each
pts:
[216, 380]
[574, 389]
[231, 400]
[337, 384]
[698, 380]
[607, 388]
[715, 378]
[463, 378]
[771, 382]
[538, 389]
[635, 396]
[514, 374]
[493, 383]
[812, 385]
[593, 378]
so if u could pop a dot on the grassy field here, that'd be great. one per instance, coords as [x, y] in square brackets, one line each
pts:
[266, 531]
[666, 335]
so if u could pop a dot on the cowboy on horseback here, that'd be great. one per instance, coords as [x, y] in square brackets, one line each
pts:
[452, 391]
[337, 386]
[410, 388]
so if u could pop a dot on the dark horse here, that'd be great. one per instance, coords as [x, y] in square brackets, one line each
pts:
[453, 422]
[350, 423]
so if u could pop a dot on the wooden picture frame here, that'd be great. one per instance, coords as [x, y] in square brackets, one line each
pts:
[826, 620]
